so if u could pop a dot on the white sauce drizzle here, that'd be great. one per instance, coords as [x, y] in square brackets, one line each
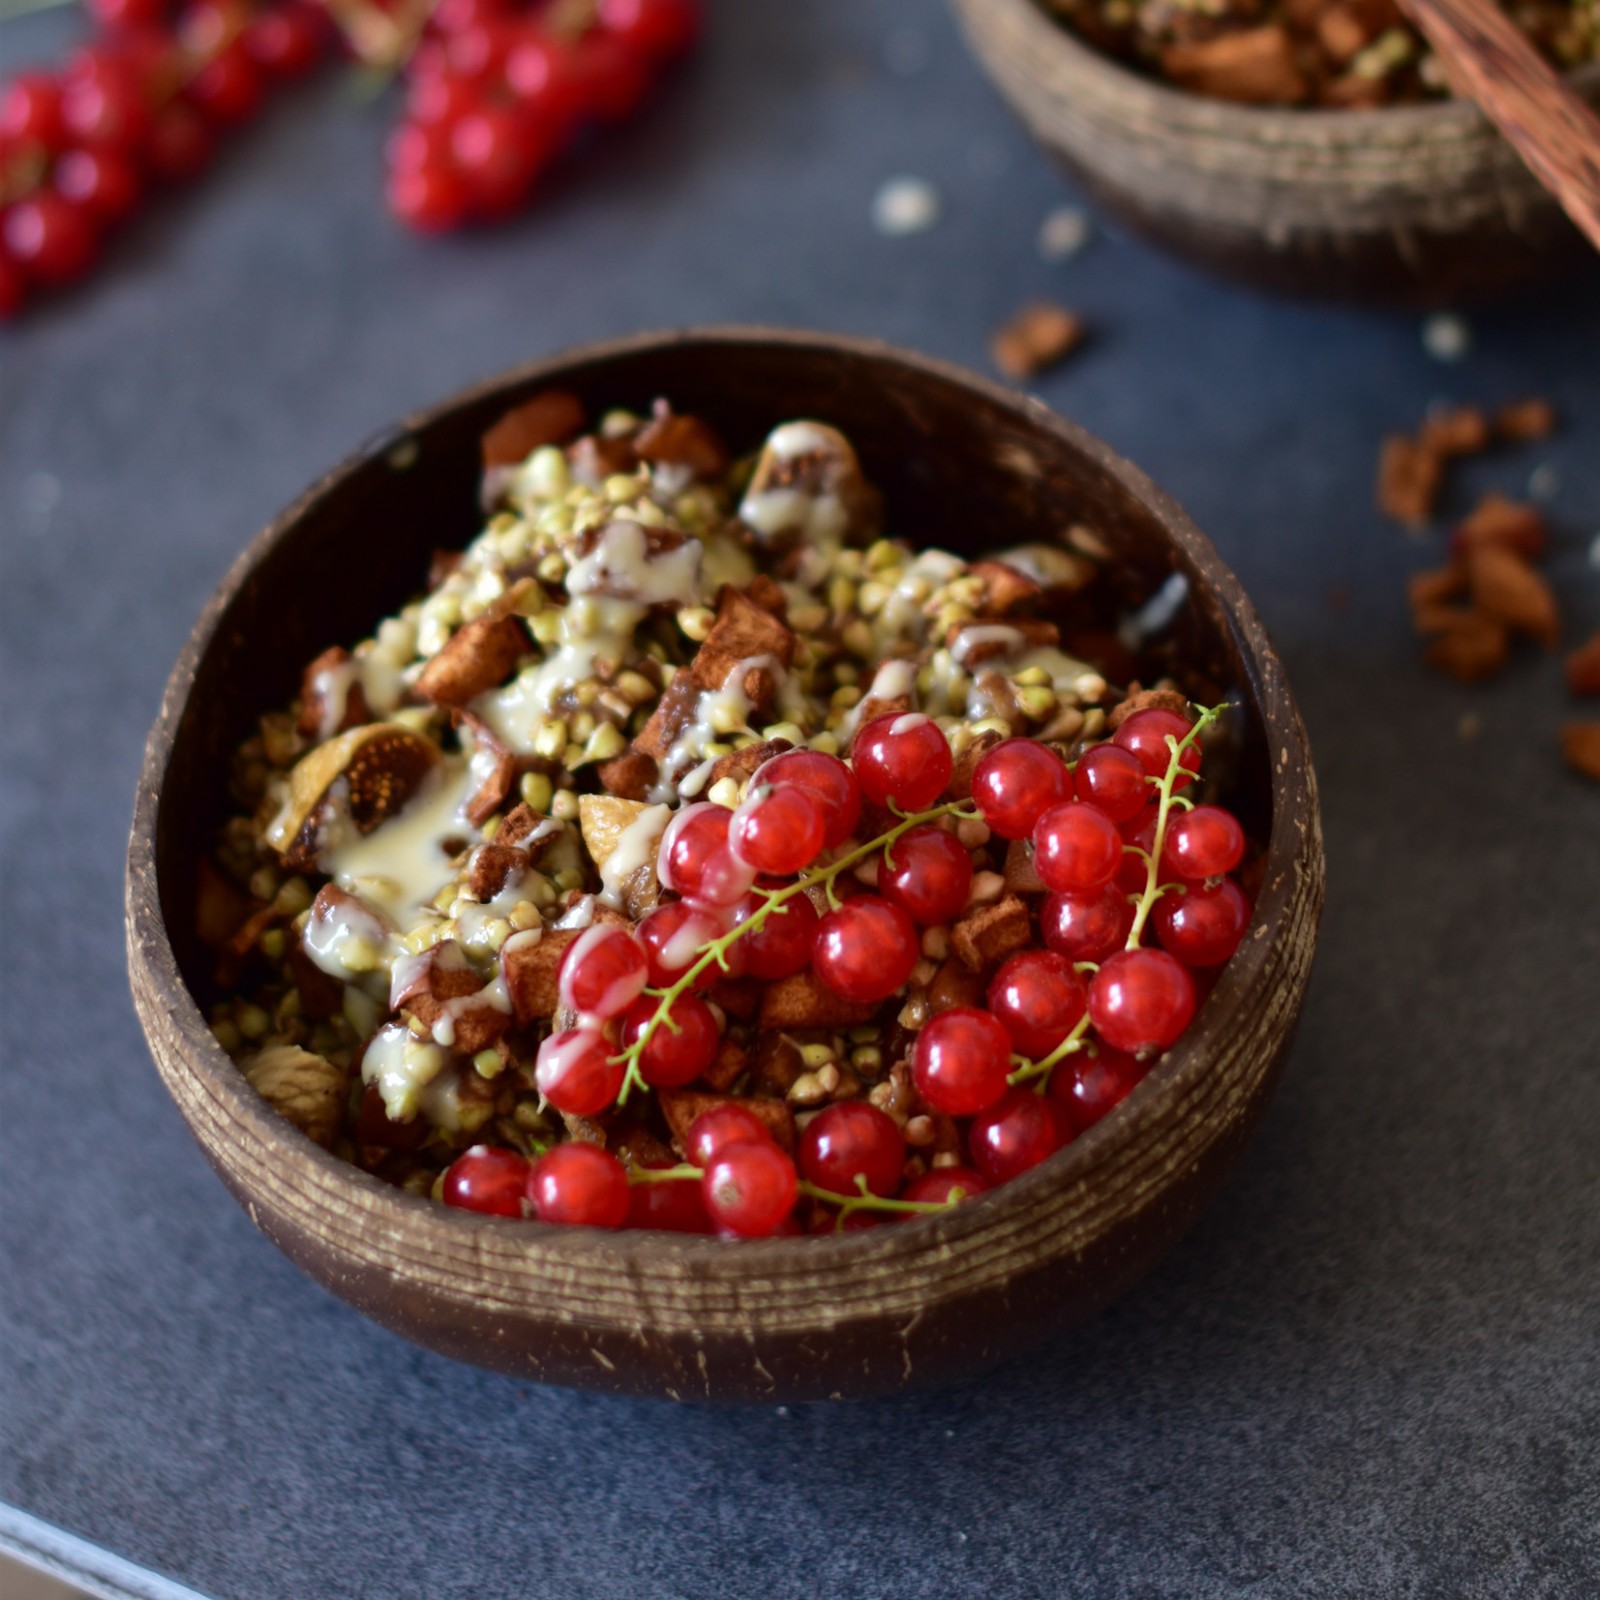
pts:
[621, 565]
[400, 1064]
[635, 847]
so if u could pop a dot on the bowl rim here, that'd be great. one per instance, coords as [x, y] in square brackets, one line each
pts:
[1277, 124]
[632, 1253]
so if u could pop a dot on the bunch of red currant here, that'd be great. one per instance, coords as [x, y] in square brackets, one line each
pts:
[142, 105]
[496, 91]
[1118, 849]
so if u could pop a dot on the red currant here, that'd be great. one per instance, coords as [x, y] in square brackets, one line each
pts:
[1017, 1132]
[675, 936]
[441, 99]
[577, 1073]
[1145, 734]
[1076, 848]
[829, 779]
[1112, 780]
[728, 1123]
[498, 153]
[778, 829]
[106, 108]
[849, 1140]
[1203, 843]
[657, 28]
[603, 971]
[670, 1059]
[13, 288]
[1141, 1000]
[781, 946]
[479, 51]
[930, 878]
[578, 1183]
[1016, 783]
[1039, 999]
[452, 16]
[612, 79]
[288, 42]
[487, 1179]
[673, 1206]
[105, 183]
[52, 239]
[1202, 927]
[1091, 1085]
[374, 1125]
[865, 950]
[430, 197]
[696, 859]
[181, 145]
[135, 14]
[750, 1187]
[1086, 927]
[937, 1187]
[540, 72]
[961, 1061]
[227, 90]
[30, 112]
[902, 760]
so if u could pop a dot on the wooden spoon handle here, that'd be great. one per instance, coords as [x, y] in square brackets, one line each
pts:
[1490, 59]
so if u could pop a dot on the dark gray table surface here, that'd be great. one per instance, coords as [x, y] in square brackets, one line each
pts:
[1373, 1370]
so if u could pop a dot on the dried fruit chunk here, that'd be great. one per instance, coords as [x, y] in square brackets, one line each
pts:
[808, 487]
[1436, 586]
[1533, 418]
[1510, 524]
[1506, 588]
[991, 933]
[303, 1088]
[1037, 337]
[622, 838]
[1146, 699]
[1255, 67]
[1580, 747]
[1467, 645]
[1409, 476]
[530, 965]
[550, 417]
[683, 441]
[441, 989]
[803, 1001]
[682, 1107]
[492, 764]
[331, 696]
[1005, 589]
[481, 654]
[356, 780]
[1583, 667]
[1456, 431]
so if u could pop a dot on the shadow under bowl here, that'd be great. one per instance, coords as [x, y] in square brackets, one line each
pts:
[963, 464]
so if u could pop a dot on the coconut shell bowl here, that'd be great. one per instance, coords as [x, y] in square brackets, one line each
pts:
[962, 464]
[1417, 205]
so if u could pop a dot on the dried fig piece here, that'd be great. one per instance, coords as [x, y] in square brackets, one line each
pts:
[481, 654]
[350, 784]
[305, 1089]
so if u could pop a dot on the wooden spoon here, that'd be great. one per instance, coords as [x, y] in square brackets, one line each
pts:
[1491, 61]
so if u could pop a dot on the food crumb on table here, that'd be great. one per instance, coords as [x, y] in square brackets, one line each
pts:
[1036, 338]
[1447, 337]
[904, 206]
[1064, 233]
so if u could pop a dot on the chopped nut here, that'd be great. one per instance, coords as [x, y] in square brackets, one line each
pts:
[1037, 337]
[1147, 700]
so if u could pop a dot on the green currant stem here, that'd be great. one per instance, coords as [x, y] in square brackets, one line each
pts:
[1042, 1068]
[865, 1200]
[685, 1169]
[717, 950]
[1164, 785]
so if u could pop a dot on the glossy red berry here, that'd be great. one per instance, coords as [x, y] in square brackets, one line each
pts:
[829, 779]
[1141, 1000]
[750, 1187]
[939, 1186]
[1076, 848]
[52, 239]
[13, 288]
[1038, 999]
[429, 197]
[1145, 735]
[30, 111]
[675, 936]
[228, 89]
[673, 1206]
[487, 1179]
[660, 29]
[441, 99]
[930, 877]
[1015, 783]
[1015, 1133]
[697, 861]
[671, 1059]
[130, 14]
[286, 42]
[1086, 927]
[865, 950]
[902, 760]
[577, 1072]
[1203, 843]
[613, 80]
[1091, 1084]
[579, 1184]
[781, 946]
[540, 72]
[498, 153]
[728, 1123]
[1113, 780]
[180, 145]
[603, 971]
[961, 1061]
[106, 108]
[778, 828]
[1202, 927]
[850, 1140]
[102, 181]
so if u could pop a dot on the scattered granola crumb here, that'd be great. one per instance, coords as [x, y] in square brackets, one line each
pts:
[1580, 746]
[1544, 482]
[904, 205]
[1447, 337]
[1064, 233]
[1583, 667]
[1409, 476]
[1533, 418]
[1037, 337]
